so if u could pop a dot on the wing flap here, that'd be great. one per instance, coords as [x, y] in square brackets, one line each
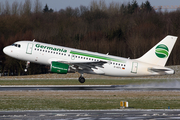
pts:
[90, 65]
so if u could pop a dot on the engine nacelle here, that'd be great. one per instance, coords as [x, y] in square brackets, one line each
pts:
[60, 68]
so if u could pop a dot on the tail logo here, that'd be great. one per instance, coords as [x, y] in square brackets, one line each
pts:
[162, 51]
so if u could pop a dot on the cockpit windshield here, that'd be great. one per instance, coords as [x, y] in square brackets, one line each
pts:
[16, 45]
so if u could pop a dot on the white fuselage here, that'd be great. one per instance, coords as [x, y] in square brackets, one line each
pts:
[43, 53]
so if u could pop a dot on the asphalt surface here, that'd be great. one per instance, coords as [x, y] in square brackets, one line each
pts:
[91, 115]
[126, 114]
[86, 87]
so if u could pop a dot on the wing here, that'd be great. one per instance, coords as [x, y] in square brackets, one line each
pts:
[85, 66]
[89, 65]
[82, 66]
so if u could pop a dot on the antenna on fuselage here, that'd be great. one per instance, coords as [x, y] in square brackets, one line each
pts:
[33, 40]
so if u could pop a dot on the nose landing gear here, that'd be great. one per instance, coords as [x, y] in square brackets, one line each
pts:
[27, 65]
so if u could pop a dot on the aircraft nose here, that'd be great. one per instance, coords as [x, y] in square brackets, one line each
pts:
[8, 50]
[5, 50]
[11, 51]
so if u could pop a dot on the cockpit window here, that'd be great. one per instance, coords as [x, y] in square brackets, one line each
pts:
[16, 45]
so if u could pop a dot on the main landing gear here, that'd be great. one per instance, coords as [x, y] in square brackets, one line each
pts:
[81, 79]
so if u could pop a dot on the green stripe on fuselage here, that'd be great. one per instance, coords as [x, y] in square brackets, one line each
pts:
[96, 56]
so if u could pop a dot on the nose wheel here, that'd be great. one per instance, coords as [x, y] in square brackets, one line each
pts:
[81, 79]
[27, 65]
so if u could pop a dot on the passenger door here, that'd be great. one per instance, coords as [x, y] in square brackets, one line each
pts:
[134, 67]
[29, 48]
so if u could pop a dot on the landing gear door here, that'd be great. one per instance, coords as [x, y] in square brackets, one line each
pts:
[29, 48]
[134, 67]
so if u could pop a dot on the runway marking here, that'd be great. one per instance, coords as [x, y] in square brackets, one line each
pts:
[145, 115]
[113, 113]
[88, 118]
[60, 115]
[82, 115]
[155, 114]
[106, 118]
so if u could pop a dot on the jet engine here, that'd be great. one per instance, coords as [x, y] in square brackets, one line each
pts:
[60, 68]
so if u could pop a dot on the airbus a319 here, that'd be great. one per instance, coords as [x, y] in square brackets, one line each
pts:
[63, 60]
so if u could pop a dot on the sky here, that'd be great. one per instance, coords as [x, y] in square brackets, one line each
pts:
[62, 4]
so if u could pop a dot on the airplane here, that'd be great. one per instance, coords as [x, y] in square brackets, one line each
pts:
[63, 60]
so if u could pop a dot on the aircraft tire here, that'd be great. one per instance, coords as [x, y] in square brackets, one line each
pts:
[81, 79]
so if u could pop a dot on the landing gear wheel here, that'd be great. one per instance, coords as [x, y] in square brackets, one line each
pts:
[81, 79]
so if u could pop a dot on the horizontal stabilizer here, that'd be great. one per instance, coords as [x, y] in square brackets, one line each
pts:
[162, 71]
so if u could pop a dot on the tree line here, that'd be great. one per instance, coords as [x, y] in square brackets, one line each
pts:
[120, 29]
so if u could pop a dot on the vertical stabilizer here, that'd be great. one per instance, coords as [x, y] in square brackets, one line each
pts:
[159, 54]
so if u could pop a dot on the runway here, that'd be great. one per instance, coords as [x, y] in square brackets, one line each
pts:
[91, 114]
[85, 87]
[116, 114]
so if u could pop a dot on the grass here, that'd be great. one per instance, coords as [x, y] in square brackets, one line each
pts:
[85, 100]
